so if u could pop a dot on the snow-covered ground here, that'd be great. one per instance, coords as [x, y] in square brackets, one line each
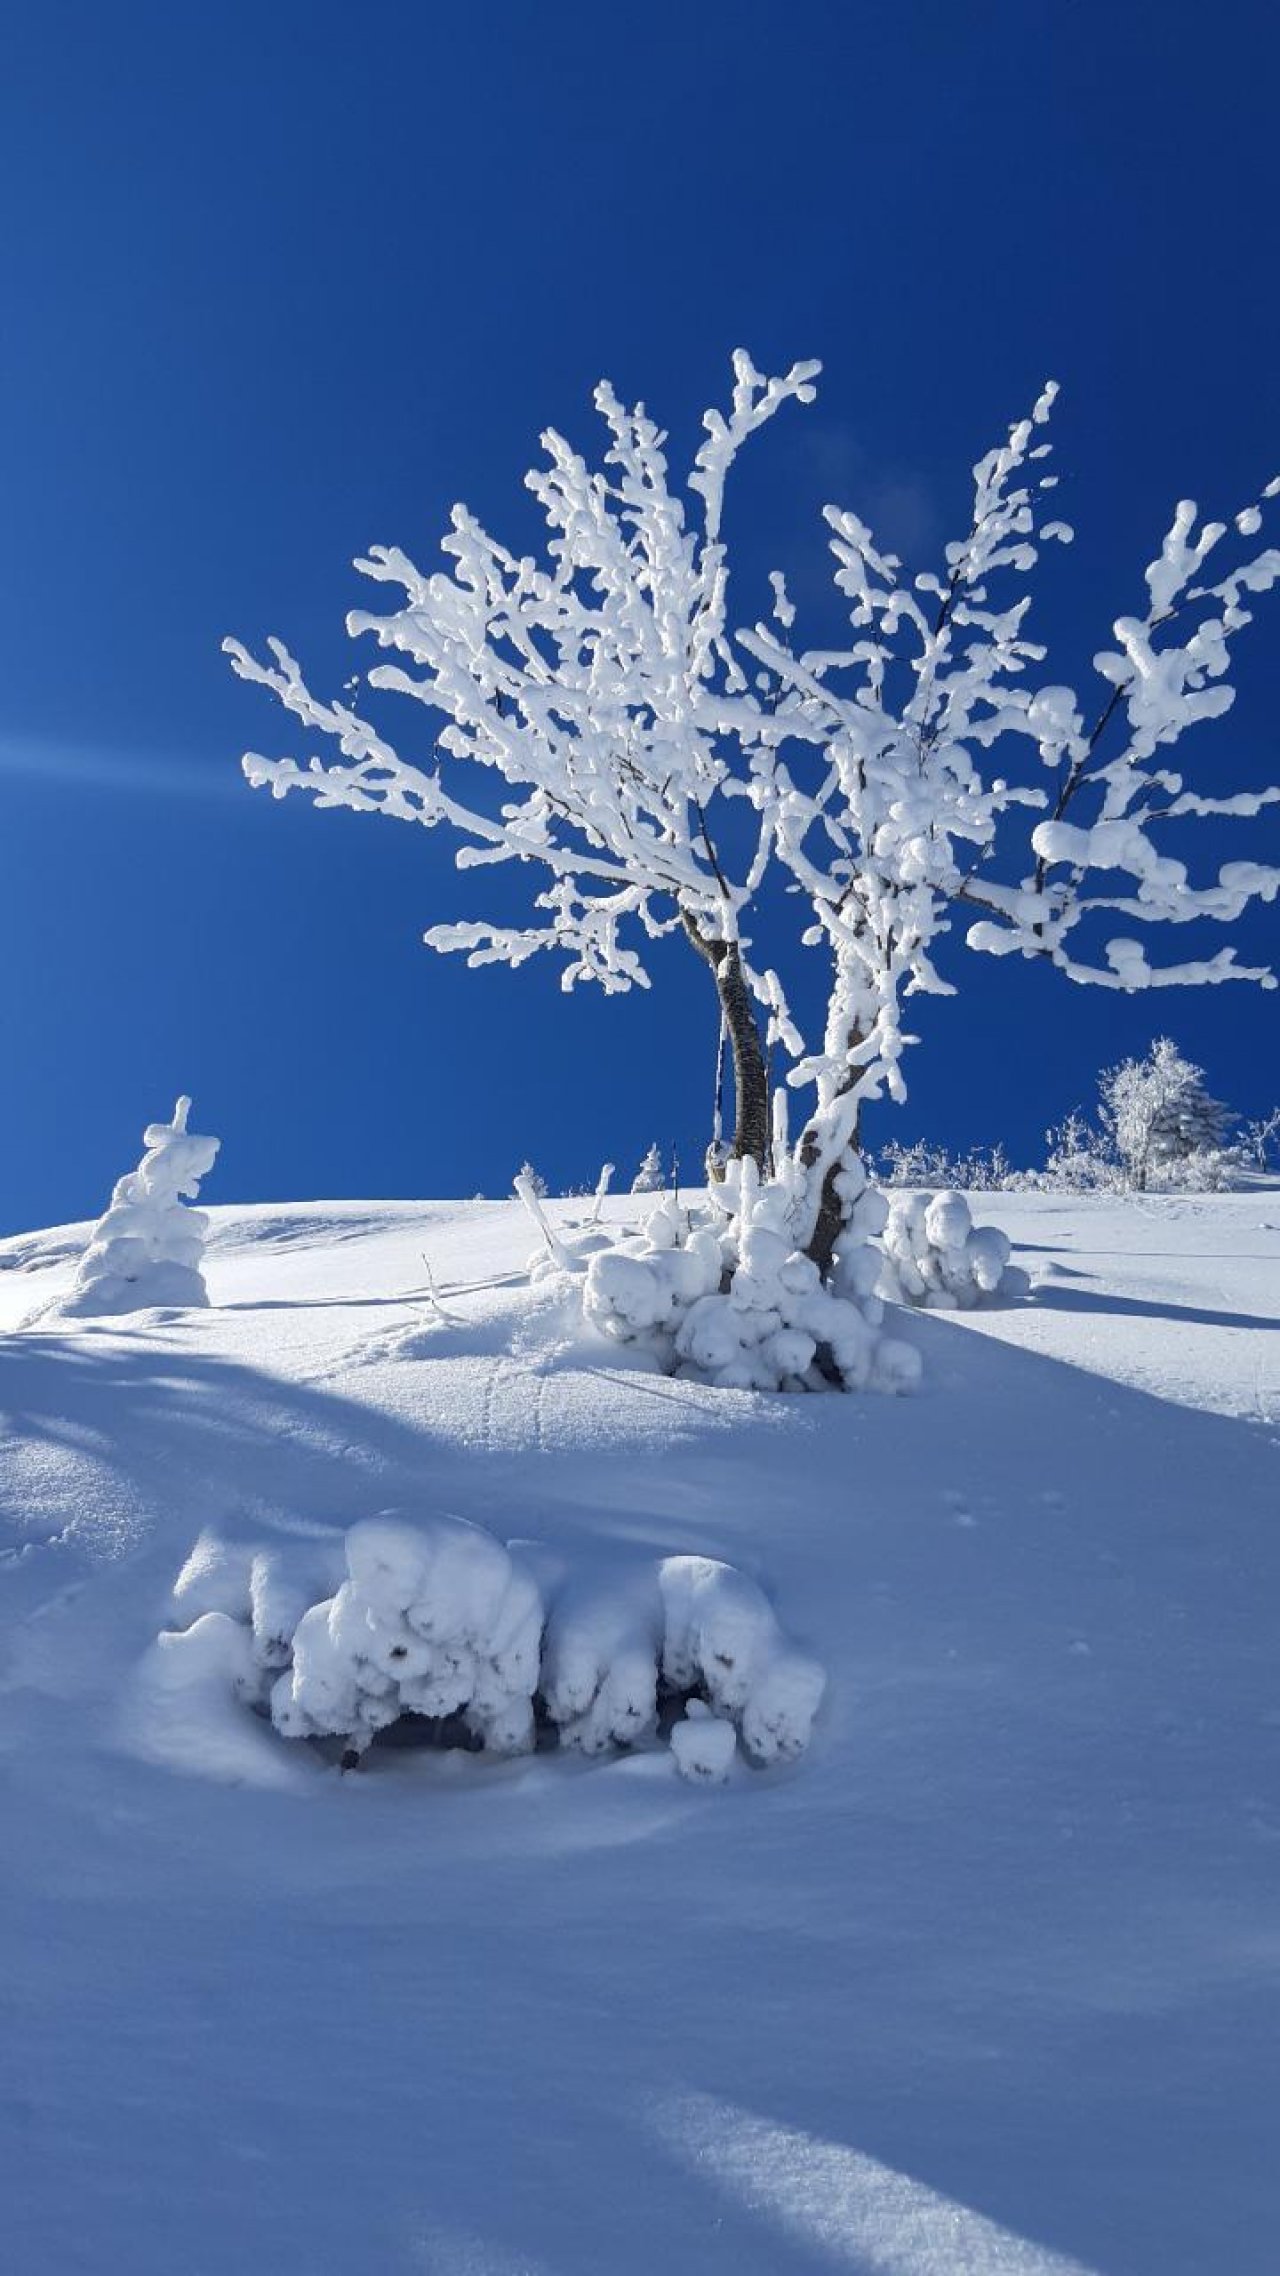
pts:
[986, 1983]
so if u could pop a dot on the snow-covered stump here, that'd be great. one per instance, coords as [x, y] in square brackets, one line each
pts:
[935, 1256]
[147, 1249]
[722, 1642]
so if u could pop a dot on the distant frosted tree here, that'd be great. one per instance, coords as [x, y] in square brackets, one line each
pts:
[1156, 1112]
[650, 1177]
[1258, 1142]
[148, 1248]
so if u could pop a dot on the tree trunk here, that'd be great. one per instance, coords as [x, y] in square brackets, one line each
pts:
[750, 1073]
[830, 1217]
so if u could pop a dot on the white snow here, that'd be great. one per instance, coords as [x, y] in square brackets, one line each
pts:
[986, 1982]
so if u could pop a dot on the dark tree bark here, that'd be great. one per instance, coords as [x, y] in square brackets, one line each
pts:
[750, 1072]
[830, 1217]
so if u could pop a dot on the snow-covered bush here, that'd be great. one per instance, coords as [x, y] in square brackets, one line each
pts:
[922, 1165]
[147, 1249]
[498, 1647]
[433, 1619]
[721, 1293]
[935, 1255]
[1078, 1159]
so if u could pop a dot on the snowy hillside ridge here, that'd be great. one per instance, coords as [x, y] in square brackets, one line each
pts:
[953, 1986]
[489, 1648]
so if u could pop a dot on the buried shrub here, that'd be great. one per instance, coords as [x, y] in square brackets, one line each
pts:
[722, 1293]
[439, 1627]
[935, 1255]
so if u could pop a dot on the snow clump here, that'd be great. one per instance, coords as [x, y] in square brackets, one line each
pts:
[703, 1745]
[935, 1256]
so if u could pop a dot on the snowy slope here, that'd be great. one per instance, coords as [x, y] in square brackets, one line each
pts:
[987, 1983]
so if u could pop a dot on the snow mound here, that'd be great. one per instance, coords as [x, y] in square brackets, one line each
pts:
[934, 1255]
[185, 1707]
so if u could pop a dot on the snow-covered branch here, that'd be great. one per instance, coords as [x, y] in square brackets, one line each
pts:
[888, 809]
[600, 685]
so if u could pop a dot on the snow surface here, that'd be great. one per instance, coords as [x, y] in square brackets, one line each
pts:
[986, 1983]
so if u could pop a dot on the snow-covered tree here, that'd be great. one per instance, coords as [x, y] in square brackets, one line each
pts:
[1157, 1114]
[147, 1249]
[651, 1176]
[903, 815]
[604, 691]
[1258, 1142]
[659, 764]
[534, 1179]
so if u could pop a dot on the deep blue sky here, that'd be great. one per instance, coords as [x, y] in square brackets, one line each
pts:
[281, 280]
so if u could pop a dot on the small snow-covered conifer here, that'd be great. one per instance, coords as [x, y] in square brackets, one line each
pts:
[147, 1248]
[650, 1177]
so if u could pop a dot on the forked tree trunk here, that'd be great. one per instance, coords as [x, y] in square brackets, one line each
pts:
[750, 1073]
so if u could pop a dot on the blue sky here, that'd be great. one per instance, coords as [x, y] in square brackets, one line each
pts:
[283, 280]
